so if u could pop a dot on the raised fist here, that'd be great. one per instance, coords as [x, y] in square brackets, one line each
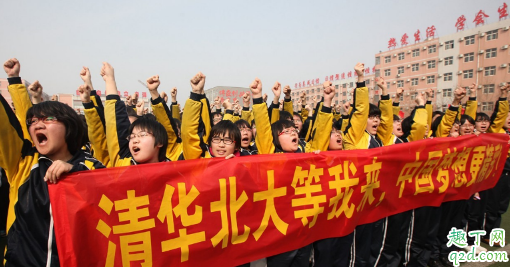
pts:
[360, 69]
[197, 83]
[85, 75]
[256, 88]
[153, 83]
[400, 92]
[35, 90]
[85, 90]
[227, 104]
[381, 83]
[107, 71]
[287, 91]
[277, 89]
[12, 67]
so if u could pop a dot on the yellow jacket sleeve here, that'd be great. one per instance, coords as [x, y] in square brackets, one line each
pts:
[358, 118]
[419, 124]
[247, 115]
[471, 107]
[288, 106]
[264, 137]
[117, 127]
[190, 122]
[274, 112]
[12, 141]
[164, 116]
[337, 116]
[206, 118]
[96, 133]
[499, 115]
[22, 103]
[345, 121]
[385, 129]
[443, 130]
[428, 107]
[176, 113]
[304, 114]
[229, 116]
[320, 139]
[396, 108]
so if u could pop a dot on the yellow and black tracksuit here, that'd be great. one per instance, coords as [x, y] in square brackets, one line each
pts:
[166, 118]
[31, 240]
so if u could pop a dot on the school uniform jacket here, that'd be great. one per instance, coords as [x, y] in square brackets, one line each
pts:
[31, 239]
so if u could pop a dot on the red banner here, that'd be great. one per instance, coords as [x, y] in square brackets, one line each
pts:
[216, 212]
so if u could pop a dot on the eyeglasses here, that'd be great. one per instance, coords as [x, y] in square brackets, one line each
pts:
[297, 121]
[244, 129]
[45, 120]
[139, 135]
[335, 131]
[288, 131]
[467, 126]
[226, 141]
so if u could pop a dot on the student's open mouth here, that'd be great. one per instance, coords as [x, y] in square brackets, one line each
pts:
[136, 149]
[245, 139]
[295, 140]
[41, 138]
[339, 141]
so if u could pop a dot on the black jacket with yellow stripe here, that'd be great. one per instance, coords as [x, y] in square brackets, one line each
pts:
[30, 225]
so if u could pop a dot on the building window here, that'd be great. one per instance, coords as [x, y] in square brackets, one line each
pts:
[344, 85]
[487, 106]
[448, 76]
[401, 56]
[416, 52]
[432, 49]
[431, 79]
[387, 72]
[490, 53]
[313, 90]
[469, 40]
[431, 64]
[468, 74]
[400, 70]
[400, 83]
[387, 59]
[401, 98]
[413, 96]
[351, 84]
[414, 81]
[377, 60]
[416, 67]
[488, 89]
[492, 35]
[447, 92]
[448, 45]
[336, 87]
[448, 61]
[377, 74]
[468, 57]
[490, 71]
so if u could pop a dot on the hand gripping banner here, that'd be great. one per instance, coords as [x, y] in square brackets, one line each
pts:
[216, 212]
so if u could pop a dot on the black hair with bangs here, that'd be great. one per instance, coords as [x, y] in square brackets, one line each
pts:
[156, 129]
[75, 128]
[226, 128]
[277, 128]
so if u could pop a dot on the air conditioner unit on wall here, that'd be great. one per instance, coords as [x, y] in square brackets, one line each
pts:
[441, 44]
[504, 65]
[409, 65]
[424, 63]
[439, 76]
[461, 55]
[439, 90]
[398, 75]
[480, 87]
[504, 47]
[407, 93]
[394, 82]
[409, 51]
[459, 73]
[424, 48]
[461, 39]
[480, 69]
[481, 51]
[394, 55]
[505, 28]
[408, 80]
[440, 60]
[423, 78]
[482, 34]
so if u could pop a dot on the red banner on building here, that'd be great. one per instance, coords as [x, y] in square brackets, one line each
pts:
[216, 212]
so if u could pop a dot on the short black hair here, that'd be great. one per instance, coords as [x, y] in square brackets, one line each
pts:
[465, 118]
[285, 115]
[396, 118]
[75, 127]
[132, 112]
[223, 128]
[407, 123]
[242, 123]
[374, 111]
[440, 113]
[277, 128]
[306, 124]
[156, 129]
[337, 125]
[480, 116]
[297, 114]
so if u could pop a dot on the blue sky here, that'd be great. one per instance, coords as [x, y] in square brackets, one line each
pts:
[231, 42]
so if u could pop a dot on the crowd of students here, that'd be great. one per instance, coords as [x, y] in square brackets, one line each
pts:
[44, 140]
